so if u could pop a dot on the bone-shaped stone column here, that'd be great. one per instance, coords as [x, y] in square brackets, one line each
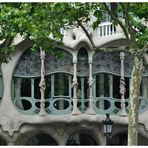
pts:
[90, 110]
[42, 85]
[75, 85]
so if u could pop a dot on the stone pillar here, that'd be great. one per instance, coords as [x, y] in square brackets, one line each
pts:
[42, 85]
[10, 141]
[122, 112]
[75, 85]
[90, 110]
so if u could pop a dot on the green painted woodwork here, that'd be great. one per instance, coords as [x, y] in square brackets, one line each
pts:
[109, 104]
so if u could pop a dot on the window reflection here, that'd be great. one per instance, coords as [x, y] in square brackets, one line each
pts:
[61, 84]
[102, 85]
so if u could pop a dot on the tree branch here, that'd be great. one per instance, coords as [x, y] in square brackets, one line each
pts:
[130, 28]
[118, 21]
[87, 34]
[7, 42]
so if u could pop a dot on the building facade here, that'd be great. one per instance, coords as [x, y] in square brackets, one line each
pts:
[46, 99]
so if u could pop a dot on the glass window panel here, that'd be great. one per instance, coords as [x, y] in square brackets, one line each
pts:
[86, 88]
[127, 87]
[25, 87]
[116, 87]
[82, 66]
[16, 87]
[79, 88]
[37, 93]
[102, 85]
[61, 84]
[48, 87]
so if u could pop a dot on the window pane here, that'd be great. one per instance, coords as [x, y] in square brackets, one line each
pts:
[25, 87]
[82, 66]
[102, 85]
[127, 87]
[21, 87]
[116, 87]
[61, 86]
[48, 87]
[86, 88]
[37, 93]
[144, 87]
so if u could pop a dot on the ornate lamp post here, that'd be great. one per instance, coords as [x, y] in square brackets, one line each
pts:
[107, 126]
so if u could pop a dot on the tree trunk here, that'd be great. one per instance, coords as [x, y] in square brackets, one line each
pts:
[134, 102]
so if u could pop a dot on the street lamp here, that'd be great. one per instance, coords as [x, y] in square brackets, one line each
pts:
[107, 126]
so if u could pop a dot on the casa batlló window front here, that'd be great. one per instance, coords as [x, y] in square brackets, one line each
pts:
[59, 74]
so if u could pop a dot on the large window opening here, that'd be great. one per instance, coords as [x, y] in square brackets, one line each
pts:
[58, 87]
[82, 66]
[41, 139]
[102, 85]
[107, 90]
[26, 92]
[122, 139]
[2, 141]
[83, 75]
[61, 86]
[81, 139]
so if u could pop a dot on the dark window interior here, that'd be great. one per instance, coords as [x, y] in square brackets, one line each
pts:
[41, 139]
[25, 87]
[82, 66]
[102, 85]
[61, 85]
[37, 92]
[114, 7]
[81, 139]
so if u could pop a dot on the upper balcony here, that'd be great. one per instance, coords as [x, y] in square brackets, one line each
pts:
[106, 35]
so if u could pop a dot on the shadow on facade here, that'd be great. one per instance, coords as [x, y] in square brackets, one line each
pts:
[41, 139]
[2, 141]
[81, 139]
[122, 139]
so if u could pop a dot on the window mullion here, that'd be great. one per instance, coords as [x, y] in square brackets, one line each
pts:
[32, 88]
[111, 86]
[52, 86]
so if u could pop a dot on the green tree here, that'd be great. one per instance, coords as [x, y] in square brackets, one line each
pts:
[135, 27]
[38, 21]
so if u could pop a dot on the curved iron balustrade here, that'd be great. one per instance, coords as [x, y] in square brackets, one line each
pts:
[112, 105]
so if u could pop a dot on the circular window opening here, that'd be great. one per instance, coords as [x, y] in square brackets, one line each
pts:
[23, 104]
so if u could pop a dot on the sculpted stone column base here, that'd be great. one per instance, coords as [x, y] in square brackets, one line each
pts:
[10, 141]
[90, 110]
[122, 113]
[75, 109]
[42, 111]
